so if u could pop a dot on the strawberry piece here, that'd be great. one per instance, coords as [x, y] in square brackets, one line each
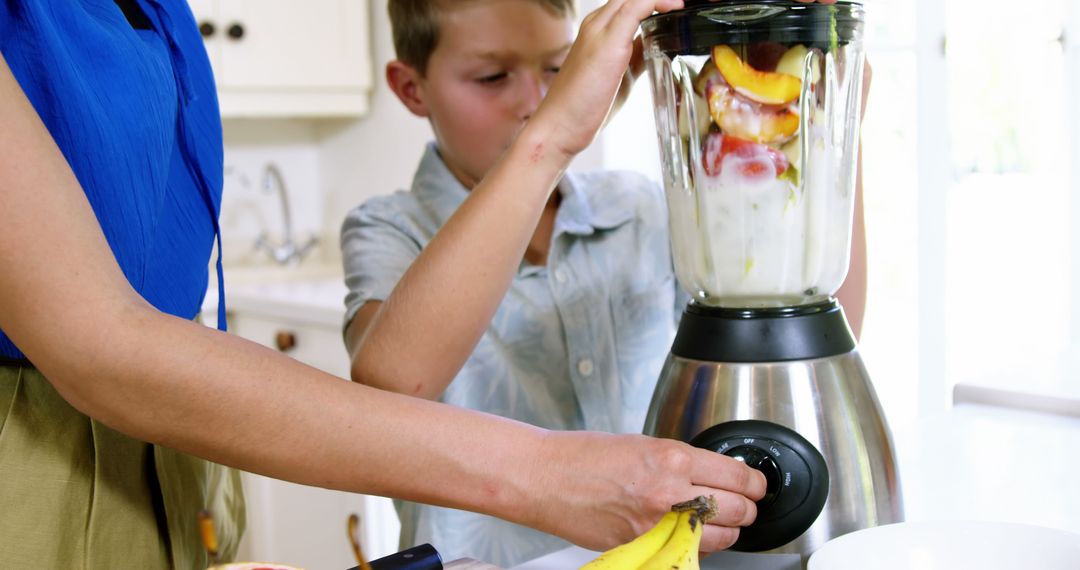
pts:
[753, 160]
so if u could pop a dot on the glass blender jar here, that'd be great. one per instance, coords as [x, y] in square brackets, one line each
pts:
[757, 108]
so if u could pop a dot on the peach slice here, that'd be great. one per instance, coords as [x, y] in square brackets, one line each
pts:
[768, 87]
[748, 120]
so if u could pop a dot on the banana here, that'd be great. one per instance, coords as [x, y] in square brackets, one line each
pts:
[632, 554]
[681, 550]
[670, 545]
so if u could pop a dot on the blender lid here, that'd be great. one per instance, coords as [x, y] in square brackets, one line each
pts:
[696, 3]
[702, 24]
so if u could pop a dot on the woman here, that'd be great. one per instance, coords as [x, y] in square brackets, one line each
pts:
[110, 177]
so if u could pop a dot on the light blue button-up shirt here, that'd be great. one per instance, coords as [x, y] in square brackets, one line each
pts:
[577, 344]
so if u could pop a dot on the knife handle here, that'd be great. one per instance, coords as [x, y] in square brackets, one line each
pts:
[422, 557]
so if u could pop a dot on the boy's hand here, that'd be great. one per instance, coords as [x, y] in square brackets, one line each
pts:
[580, 98]
[595, 71]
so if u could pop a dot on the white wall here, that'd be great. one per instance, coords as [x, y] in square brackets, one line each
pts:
[374, 155]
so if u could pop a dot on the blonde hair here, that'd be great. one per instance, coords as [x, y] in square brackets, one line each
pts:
[415, 26]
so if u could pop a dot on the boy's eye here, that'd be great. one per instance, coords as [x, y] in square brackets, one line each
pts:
[493, 78]
[554, 69]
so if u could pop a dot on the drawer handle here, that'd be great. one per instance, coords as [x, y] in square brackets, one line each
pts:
[285, 340]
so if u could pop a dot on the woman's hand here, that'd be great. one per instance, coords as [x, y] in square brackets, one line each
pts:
[601, 490]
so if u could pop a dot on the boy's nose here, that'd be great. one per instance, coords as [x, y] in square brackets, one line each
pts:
[532, 90]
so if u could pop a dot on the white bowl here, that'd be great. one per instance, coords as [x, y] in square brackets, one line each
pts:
[951, 545]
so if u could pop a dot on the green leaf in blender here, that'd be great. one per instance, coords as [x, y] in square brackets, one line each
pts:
[791, 175]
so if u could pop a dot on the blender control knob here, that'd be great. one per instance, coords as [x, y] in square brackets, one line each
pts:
[797, 479]
[760, 459]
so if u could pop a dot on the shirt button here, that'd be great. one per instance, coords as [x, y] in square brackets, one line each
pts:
[560, 275]
[585, 366]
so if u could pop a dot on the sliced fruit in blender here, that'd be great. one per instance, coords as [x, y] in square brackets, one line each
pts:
[738, 116]
[793, 62]
[767, 87]
[702, 117]
[749, 159]
[707, 77]
[793, 151]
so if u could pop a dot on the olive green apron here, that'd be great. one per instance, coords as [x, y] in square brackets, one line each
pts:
[75, 494]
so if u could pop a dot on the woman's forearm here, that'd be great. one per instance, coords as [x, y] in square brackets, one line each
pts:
[244, 405]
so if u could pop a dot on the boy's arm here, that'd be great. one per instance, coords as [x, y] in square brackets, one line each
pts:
[354, 336]
[852, 294]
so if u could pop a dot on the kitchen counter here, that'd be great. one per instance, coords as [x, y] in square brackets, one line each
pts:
[973, 462]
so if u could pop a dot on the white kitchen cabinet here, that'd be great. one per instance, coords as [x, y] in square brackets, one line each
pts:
[289, 523]
[281, 58]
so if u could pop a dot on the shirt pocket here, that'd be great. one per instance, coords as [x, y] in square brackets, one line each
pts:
[644, 329]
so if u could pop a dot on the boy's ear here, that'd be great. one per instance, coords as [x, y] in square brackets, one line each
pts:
[404, 81]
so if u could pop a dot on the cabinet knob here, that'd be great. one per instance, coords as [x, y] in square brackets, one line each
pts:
[285, 340]
[207, 29]
[235, 31]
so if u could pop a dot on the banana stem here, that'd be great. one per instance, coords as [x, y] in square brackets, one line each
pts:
[706, 507]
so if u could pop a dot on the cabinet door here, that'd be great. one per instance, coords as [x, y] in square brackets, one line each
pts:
[313, 344]
[280, 58]
[285, 44]
[296, 524]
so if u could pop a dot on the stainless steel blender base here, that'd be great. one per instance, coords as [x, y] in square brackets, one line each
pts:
[829, 401]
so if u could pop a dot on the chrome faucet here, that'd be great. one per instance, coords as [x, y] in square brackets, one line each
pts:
[287, 252]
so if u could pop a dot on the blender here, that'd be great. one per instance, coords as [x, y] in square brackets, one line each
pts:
[757, 108]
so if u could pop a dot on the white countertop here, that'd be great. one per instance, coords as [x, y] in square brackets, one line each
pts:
[971, 463]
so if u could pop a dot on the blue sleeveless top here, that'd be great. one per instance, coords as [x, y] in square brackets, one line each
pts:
[129, 97]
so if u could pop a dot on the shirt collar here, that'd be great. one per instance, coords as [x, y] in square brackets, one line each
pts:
[590, 203]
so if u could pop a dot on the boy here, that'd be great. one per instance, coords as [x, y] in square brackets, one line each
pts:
[585, 325]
